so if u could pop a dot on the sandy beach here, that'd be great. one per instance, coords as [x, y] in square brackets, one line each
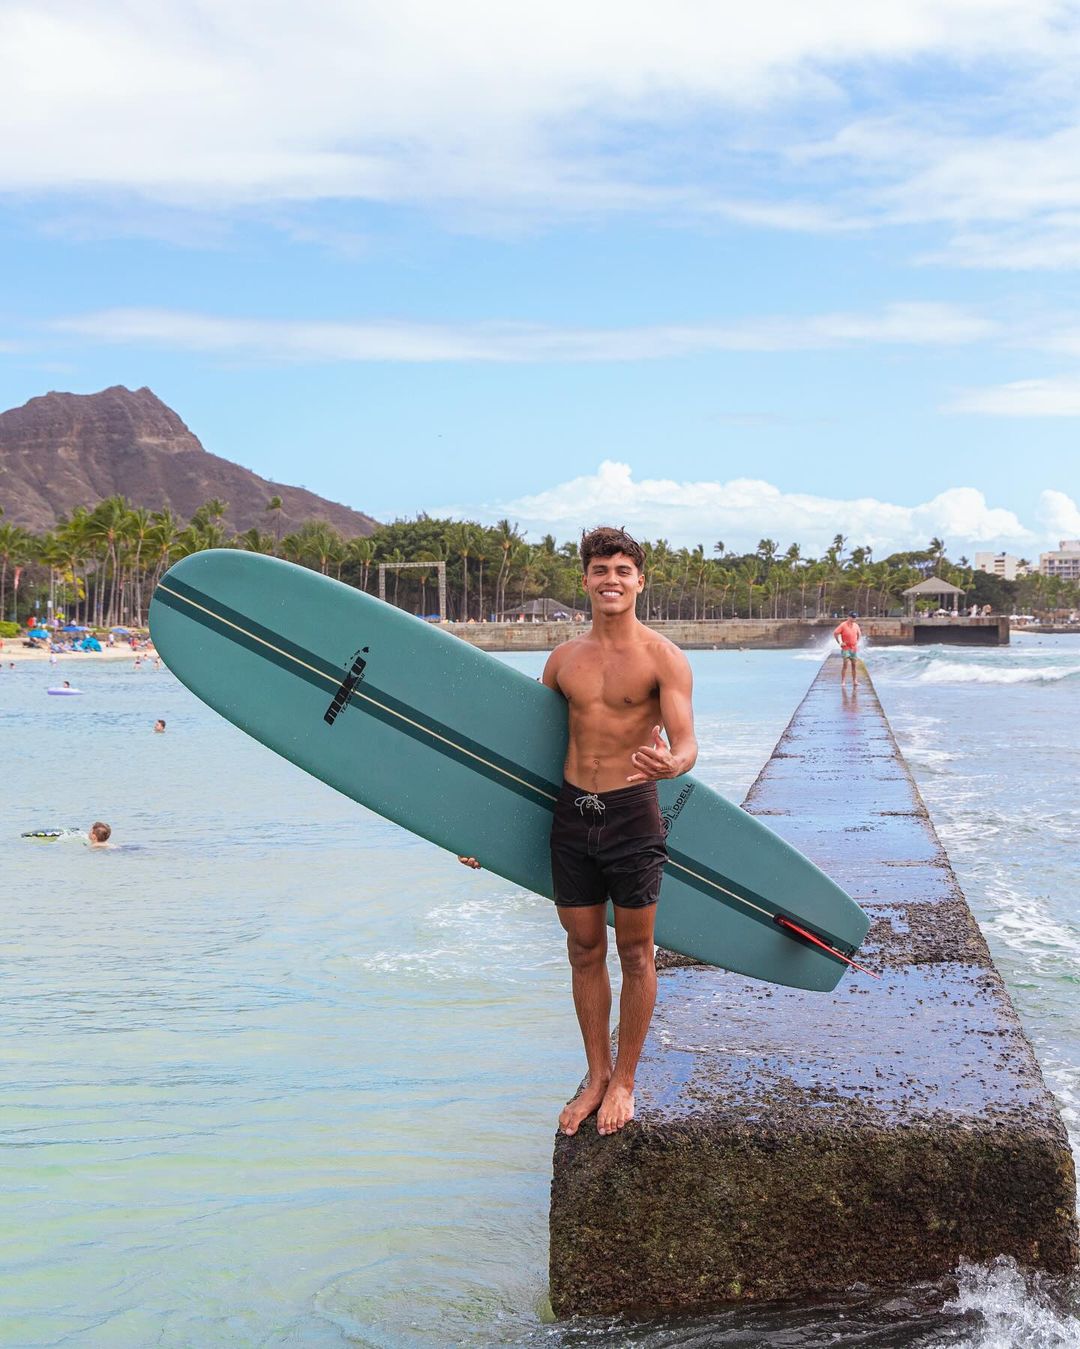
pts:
[13, 650]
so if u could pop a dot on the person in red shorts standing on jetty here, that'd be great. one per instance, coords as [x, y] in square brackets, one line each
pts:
[848, 633]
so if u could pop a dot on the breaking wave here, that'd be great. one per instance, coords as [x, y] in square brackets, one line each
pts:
[954, 672]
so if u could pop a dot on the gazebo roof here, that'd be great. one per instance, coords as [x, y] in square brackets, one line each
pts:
[543, 607]
[934, 586]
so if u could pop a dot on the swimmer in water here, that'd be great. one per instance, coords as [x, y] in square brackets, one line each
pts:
[97, 836]
[159, 726]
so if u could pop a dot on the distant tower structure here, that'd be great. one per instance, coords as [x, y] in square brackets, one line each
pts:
[384, 567]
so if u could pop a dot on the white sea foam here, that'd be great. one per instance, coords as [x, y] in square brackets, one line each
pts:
[921, 740]
[1015, 1311]
[954, 672]
[817, 652]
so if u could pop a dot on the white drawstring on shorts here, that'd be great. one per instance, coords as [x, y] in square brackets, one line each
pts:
[592, 800]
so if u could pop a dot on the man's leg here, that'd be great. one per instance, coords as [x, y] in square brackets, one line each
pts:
[586, 945]
[634, 938]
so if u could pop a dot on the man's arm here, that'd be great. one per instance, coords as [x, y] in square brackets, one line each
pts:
[550, 677]
[836, 631]
[676, 708]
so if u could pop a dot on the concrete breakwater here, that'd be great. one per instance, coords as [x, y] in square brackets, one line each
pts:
[750, 633]
[791, 1144]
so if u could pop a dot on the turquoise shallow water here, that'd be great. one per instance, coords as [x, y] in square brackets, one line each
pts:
[278, 1073]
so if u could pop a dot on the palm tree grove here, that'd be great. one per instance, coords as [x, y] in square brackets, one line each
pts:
[99, 566]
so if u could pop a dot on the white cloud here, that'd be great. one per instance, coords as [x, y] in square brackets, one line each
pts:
[389, 340]
[1059, 515]
[745, 509]
[1050, 244]
[1053, 397]
[188, 101]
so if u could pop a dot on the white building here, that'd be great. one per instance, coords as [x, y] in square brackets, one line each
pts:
[1065, 562]
[1000, 564]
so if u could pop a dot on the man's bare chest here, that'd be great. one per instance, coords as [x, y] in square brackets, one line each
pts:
[615, 683]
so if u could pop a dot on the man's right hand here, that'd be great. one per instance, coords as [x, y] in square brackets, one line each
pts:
[470, 862]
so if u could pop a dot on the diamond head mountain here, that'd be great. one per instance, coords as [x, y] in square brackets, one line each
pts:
[64, 450]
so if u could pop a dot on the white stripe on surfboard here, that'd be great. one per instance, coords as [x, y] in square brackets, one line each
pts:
[717, 886]
[359, 693]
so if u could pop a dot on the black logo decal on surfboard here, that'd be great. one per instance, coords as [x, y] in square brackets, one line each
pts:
[345, 688]
[675, 809]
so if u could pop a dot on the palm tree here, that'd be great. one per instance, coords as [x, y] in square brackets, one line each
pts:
[253, 540]
[748, 570]
[273, 507]
[137, 527]
[487, 550]
[211, 512]
[700, 566]
[361, 551]
[423, 577]
[726, 580]
[162, 541]
[506, 536]
[462, 540]
[14, 543]
[105, 527]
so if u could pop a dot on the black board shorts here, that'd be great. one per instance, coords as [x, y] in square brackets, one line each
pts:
[607, 845]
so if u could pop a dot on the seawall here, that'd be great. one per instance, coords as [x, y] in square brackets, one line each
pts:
[791, 1144]
[751, 633]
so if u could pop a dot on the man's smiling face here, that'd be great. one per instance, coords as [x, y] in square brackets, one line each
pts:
[613, 583]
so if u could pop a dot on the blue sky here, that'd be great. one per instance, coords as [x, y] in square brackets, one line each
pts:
[807, 270]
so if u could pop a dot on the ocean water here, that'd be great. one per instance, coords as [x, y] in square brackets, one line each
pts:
[278, 1073]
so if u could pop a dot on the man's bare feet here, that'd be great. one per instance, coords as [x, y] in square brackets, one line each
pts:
[616, 1109]
[582, 1106]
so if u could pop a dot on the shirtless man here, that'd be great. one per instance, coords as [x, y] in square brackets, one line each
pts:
[848, 634]
[624, 685]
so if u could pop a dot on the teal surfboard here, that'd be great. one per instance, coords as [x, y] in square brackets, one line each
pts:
[460, 748]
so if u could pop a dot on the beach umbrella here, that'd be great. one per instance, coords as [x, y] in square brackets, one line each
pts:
[119, 629]
[73, 627]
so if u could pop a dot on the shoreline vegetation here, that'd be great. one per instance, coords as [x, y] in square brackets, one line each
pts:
[99, 566]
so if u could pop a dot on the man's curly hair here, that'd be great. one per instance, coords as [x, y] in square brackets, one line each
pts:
[606, 541]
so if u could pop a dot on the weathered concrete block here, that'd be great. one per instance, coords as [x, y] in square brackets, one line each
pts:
[790, 1143]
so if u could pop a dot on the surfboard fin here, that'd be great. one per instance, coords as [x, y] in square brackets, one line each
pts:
[780, 921]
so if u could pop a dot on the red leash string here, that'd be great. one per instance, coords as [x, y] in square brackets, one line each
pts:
[786, 922]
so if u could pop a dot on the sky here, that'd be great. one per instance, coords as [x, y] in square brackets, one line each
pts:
[714, 272]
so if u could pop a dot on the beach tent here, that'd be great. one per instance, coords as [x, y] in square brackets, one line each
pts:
[89, 644]
[933, 588]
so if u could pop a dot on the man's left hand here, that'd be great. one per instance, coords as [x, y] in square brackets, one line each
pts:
[654, 761]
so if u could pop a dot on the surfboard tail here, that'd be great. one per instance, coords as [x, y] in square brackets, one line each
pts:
[788, 925]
